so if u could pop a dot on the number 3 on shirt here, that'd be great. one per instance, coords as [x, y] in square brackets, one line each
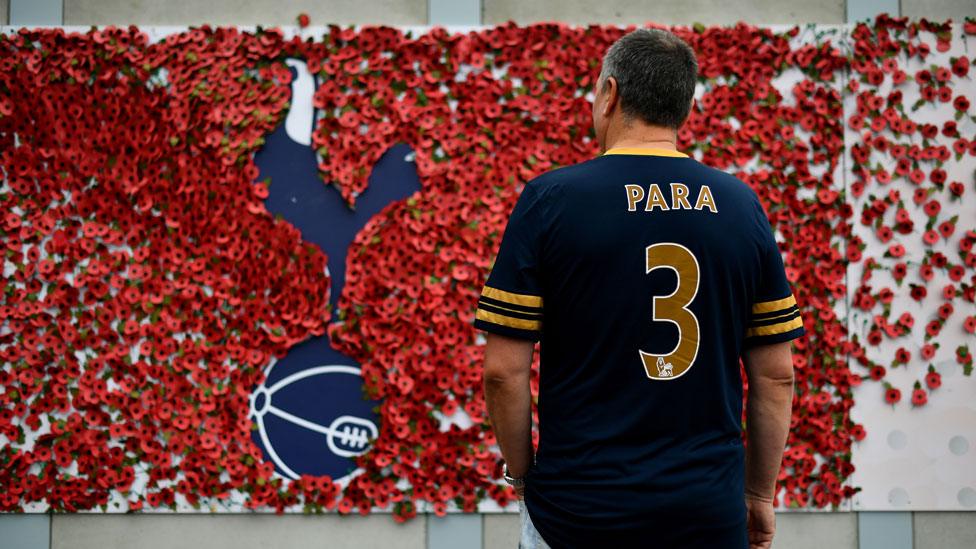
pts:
[674, 309]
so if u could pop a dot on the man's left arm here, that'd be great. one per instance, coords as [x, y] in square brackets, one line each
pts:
[508, 367]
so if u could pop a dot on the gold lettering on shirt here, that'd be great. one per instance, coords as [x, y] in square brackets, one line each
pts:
[680, 195]
[655, 199]
[705, 200]
[634, 195]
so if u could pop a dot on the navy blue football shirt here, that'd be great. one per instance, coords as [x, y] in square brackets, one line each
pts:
[644, 274]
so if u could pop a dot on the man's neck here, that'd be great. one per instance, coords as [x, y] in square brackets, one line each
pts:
[642, 137]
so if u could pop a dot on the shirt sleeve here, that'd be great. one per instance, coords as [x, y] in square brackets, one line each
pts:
[511, 302]
[774, 317]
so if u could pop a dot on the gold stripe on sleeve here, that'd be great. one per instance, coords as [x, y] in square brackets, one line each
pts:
[780, 317]
[513, 298]
[493, 306]
[508, 321]
[770, 306]
[775, 328]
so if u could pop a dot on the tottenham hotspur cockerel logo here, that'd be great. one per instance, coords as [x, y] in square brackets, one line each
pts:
[310, 414]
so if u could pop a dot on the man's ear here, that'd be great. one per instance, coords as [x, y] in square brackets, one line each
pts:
[611, 92]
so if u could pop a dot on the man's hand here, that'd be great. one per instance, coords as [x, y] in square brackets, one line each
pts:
[761, 522]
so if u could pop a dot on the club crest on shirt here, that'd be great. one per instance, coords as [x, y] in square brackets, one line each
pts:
[664, 369]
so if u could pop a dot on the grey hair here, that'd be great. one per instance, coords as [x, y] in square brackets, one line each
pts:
[656, 74]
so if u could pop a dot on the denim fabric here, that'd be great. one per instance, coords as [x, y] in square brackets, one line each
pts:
[529, 538]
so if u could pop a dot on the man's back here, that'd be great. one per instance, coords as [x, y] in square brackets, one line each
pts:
[643, 273]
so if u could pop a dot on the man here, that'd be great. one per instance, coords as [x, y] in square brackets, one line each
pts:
[646, 276]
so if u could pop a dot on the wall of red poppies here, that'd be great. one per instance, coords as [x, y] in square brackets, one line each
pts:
[145, 285]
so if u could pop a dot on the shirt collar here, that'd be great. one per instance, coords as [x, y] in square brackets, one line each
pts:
[646, 152]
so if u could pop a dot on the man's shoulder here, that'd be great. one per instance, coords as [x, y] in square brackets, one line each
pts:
[565, 176]
[731, 182]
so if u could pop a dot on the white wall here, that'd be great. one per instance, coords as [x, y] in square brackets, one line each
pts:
[939, 10]
[163, 531]
[243, 12]
[684, 12]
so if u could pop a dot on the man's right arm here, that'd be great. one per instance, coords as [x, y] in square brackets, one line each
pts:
[769, 369]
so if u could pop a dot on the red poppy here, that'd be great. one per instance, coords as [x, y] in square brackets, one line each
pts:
[902, 356]
[919, 397]
[961, 103]
[906, 319]
[970, 324]
[918, 292]
[946, 228]
[960, 66]
[892, 395]
[916, 176]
